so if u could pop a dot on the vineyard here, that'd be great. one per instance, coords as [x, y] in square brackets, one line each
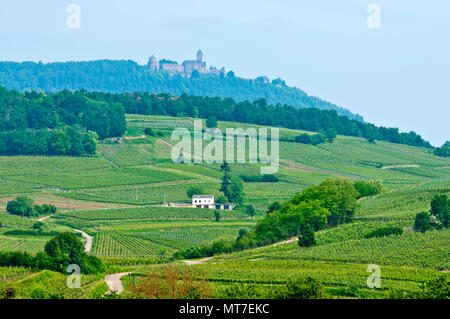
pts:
[118, 197]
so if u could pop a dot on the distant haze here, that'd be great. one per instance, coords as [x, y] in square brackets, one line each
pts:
[397, 75]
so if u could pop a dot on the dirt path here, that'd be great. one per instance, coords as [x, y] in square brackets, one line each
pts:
[400, 166]
[43, 218]
[196, 262]
[202, 261]
[179, 150]
[134, 137]
[89, 239]
[114, 283]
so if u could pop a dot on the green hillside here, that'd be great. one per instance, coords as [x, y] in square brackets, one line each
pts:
[128, 76]
[116, 196]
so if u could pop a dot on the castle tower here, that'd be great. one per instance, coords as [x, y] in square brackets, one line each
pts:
[153, 63]
[199, 56]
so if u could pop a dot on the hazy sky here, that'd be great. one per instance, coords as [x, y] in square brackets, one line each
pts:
[397, 75]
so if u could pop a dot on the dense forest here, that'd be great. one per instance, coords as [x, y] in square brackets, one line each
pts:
[68, 123]
[128, 76]
[64, 123]
[257, 112]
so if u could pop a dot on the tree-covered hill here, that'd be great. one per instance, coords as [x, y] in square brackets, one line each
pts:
[128, 76]
[62, 123]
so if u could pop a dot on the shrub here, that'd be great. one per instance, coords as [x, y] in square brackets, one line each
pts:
[148, 131]
[195, 190]
[306, 238]
[303, 138]
[273, 207]
[8, 293]
[422, 222]
[22, 206]
[221, 200]
[368, 188]
[217, 215]
[385, 231]
[440, 209]
[250, 210]
[211, 122]
[436, 288]
[303, 288]
[268, 178]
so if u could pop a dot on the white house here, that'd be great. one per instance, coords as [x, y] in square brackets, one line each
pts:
[202, 201]
[207, 201]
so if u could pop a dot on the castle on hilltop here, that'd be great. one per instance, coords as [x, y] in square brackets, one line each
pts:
[185, 69]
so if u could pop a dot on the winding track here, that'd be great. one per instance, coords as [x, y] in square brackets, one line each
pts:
[89, 240]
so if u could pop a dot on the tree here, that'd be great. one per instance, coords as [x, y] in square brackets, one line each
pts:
[317, 139]
[444, 150]
[422, 222]
[65, 249]
[211, 122]
[250, 210]
[440, 209]
[335, 194]
[306, 238]
[221, 200]
[236, 188]
[217, 215]
[194, 190]
[273, 207]
[330, 134]
[22, 206]
[226, 180]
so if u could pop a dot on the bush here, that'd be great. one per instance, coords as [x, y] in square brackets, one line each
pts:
[22, 206]
[436, 288]
[221, 200]
[217, 215]
[306, 238]
[148, 131]
[440, 209]
[317, 139]
[268, 178]
[303, 138]
[385, 231]
[303, 288]
[8, 293]
[422, 222]
[368, 188]
[211, 122]
[250, 210]
[273, 207]
[66, 249]
[195, 190]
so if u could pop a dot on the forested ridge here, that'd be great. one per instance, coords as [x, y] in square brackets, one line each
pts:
[68, 123]
[257, 112]
[64, 123]
[128, 76]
